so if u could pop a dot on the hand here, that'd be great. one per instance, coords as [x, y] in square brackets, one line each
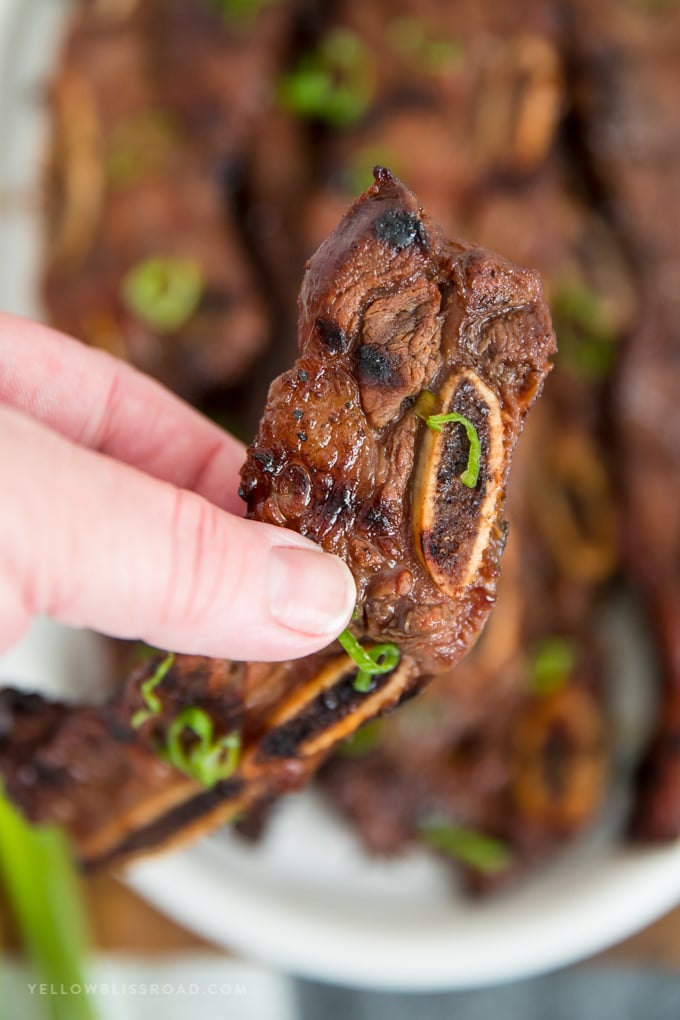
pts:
[119, 511]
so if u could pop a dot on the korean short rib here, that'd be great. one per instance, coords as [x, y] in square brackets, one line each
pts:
[397, 323]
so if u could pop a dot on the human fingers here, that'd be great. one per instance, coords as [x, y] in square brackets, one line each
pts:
[103, 403]
[92, 542]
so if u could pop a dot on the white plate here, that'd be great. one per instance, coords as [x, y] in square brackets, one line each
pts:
[307, 899]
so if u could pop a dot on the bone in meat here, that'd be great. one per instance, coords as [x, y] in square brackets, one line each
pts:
[396, 323]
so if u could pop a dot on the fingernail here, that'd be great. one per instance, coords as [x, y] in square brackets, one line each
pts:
[310, 592]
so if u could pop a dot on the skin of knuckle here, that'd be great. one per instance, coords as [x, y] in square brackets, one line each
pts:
[198, 550]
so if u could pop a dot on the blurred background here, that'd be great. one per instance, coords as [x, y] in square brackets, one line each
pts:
[168, 167]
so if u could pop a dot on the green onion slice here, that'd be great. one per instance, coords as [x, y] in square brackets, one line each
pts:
[436, 422]
[586, 330]
[163, 292]
[151, 699]
[371, 662]
[334, 83]
[42, 889]
[475, 849]
[552, 663]
[207, 760]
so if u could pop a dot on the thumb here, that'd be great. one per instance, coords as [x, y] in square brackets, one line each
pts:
[93, 542]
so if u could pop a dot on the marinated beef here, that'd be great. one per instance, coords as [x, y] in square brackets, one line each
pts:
[396, 324]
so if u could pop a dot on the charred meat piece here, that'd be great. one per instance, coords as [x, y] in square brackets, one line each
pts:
[396, 324]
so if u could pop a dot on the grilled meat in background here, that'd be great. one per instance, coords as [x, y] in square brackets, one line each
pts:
[627, 88]
[152, 111]
[542, 130]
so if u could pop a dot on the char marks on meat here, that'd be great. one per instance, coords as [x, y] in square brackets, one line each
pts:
[396, 323]
[393, 319]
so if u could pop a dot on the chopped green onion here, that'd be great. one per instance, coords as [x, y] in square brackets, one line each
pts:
[470, 847]
[208, 760]
[42, 889]
[163, 292]
[151, 699]
[586, 335]
[334, 83]
[436, 422]
[552, 663]
[377, 660]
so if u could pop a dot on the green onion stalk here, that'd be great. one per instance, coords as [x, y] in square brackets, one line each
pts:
[476, 849]
[371, 662]
[41, 886]
[470, 475]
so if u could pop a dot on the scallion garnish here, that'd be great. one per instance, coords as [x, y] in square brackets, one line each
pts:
[585, 329]
[163, 292]
[436, 422]
[552, 663]
[334, 83]
[151, 699]
[470, 847]
[206, 760]
[371, 662]
[41, 887]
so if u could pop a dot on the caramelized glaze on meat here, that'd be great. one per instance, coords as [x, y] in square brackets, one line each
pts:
[391, 311]
[396, 323]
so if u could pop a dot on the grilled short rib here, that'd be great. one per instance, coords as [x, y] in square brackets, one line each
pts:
[396, 324]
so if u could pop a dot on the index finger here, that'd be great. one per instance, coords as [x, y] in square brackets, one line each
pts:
[104, 404]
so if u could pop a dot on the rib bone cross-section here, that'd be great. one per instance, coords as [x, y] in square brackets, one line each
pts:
[389, 443]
